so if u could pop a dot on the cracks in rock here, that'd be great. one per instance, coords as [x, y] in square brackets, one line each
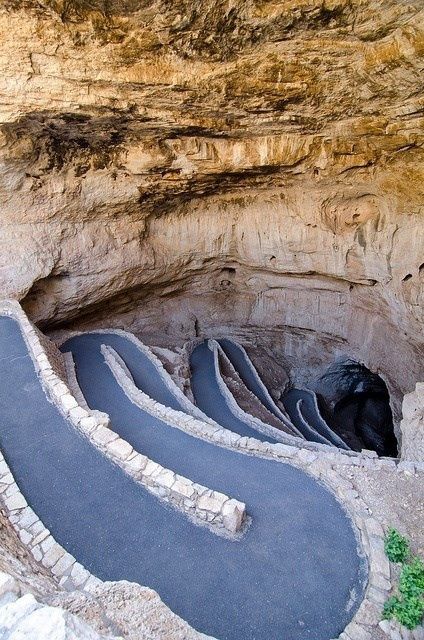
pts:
[390, 251]
[34, 66]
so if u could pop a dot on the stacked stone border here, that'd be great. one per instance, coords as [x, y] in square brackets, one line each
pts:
[189, 407]
[166, 378]
[409, 460]
[331, 435]
[255, 423]
[230, 513]
[38, 539]
[266, 429]
[221, 361]
[212, 507]
[285, 418]
[205, 506]
[284, 438]
[209, 430]
[242, 395]
[319, 438]
[290, 441]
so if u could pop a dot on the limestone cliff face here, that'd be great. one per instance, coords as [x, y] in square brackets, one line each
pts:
[248, 162]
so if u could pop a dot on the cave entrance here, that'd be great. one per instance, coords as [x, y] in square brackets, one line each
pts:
[361, 411]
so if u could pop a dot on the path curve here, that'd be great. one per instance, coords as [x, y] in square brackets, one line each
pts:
[248, 373]
[302, 404]
[308, 411]
[231, 590]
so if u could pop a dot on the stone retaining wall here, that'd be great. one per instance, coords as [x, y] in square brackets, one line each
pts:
[312, 433]
[330, 433]
[202, 504]
[237, 409]
[71, 379]
[281, 412]
[254, 423]
[37, 538]
[259, 426]
[188, 406]
[247, 400]
[224, 437]
[52, 353]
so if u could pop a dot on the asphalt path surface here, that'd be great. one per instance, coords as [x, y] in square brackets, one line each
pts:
[289, 577]
[244, 369]
[209, 398]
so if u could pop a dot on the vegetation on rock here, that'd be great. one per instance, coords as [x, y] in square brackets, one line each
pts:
[396, 546]
[406, 606]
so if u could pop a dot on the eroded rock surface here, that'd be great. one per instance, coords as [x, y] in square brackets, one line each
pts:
[412, 425]
[200, 167]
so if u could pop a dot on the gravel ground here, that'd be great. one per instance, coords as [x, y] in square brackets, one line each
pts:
[396, 500]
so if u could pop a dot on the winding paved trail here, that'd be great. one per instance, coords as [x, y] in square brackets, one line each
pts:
[245, 369]
[247, 373]
[289, 577]
[310, 415]
[209, 398]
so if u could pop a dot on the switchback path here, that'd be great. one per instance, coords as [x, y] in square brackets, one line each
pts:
[209, 398]
[246, 371]
[310, 414]
[291, 575]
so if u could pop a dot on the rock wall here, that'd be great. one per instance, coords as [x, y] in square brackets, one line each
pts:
[210, 165]
[412, 425]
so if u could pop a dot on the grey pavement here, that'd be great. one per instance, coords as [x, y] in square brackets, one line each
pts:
[290, 576]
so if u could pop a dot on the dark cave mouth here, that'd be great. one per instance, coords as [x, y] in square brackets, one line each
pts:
[372, 422]
[359, 410]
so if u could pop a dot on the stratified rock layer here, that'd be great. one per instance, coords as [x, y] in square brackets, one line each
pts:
[205, 165]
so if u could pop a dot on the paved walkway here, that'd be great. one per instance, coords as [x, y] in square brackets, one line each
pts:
[209, 398]
[290, 577]
[311, 416]
[246, 372]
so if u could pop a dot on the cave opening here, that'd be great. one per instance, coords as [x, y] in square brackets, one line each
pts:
[356, 403]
